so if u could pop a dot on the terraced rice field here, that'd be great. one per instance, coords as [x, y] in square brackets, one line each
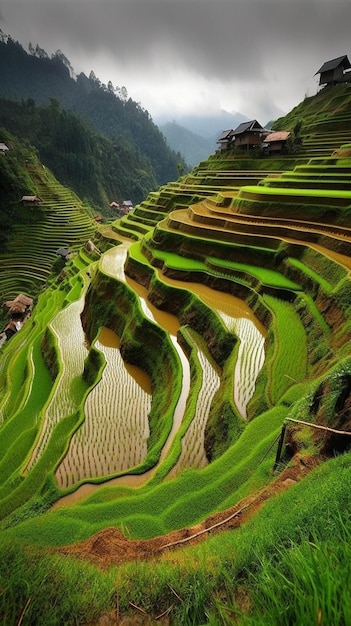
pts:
[193, 449]
[261, 292]
[114, 434]
[69, 333]
[249, 363]
[61, 222]
[250, 359]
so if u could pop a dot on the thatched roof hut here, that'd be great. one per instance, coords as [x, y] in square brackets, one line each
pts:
[20, 305]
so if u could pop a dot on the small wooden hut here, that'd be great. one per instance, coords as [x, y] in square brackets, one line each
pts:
[225, 140]
[30, 201]
[11, 329]
[333, 71]
[276, 142]
[20, 306]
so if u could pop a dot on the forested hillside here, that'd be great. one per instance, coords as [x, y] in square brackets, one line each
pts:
[36, 77]
[96, 168]
[194, 147]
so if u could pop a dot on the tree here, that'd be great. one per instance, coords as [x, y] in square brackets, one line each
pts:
[40, 53]
[124, 93]
[58, 55]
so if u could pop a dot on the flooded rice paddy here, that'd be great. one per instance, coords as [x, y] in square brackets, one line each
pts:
[114, 434]
[113, 437]
[70, 337]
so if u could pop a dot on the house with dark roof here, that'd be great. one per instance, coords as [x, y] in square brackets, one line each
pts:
[333, 72]
[64, 253]
[225, 140]
[248, 135]
[19, 309]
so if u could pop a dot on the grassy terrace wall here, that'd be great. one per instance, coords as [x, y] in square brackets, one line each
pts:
[189, 309]
[112, 304]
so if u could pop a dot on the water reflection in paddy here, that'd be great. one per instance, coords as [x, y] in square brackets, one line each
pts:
[233, 312]
[109, 339]
[113, 436]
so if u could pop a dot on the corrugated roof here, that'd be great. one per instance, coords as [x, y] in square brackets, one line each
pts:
[62, 252]
[334, 63]
[19, 304]
[247, 126]
[225, 134]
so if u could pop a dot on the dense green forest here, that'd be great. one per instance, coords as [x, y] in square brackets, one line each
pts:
[91, 164]
[82, 127]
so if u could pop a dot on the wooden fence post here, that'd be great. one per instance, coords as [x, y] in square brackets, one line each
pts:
[280, 446]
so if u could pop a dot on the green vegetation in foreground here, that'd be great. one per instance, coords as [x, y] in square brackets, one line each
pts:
[265, 275]
[289, 565]
[179, 503]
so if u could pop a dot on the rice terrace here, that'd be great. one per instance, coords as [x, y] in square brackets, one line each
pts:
[175, 408]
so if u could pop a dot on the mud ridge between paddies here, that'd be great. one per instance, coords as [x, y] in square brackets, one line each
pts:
[111, 547]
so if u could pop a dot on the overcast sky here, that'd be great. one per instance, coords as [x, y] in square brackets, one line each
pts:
[175, 57]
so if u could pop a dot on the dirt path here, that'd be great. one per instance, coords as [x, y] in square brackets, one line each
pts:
[110, 547]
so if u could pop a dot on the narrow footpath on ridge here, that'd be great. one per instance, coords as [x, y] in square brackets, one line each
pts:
[111, 547]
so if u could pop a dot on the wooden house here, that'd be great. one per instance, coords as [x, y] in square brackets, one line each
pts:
[225, 140]
[19, 309]
[248, 135]
[276, 142]
[64, 253]
[30, 200]
[126, 206]
[11, 329]
[20, 306]
[333, 72]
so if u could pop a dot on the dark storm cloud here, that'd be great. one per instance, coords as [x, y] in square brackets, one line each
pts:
[248, 41]
[216, 38]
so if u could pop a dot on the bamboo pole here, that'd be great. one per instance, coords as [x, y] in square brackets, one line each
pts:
[316, 426]
[331, 430]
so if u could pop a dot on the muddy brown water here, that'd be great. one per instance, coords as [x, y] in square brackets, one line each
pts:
[112, 263]
[109, 339]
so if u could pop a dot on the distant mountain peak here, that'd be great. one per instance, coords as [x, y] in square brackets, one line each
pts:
[207, 126]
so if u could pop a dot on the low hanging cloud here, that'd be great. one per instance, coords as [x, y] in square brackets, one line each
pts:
[271, 47]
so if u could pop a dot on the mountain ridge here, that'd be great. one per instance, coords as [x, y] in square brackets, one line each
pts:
[109, 111]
